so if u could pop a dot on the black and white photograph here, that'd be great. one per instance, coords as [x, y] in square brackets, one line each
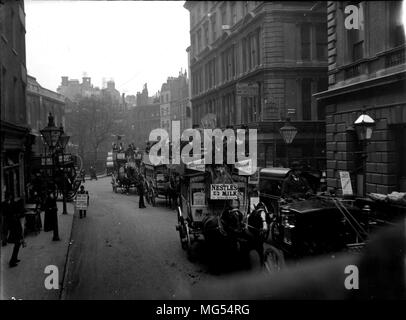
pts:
[189, 151]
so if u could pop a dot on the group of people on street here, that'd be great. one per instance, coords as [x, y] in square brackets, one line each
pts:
[12, 214]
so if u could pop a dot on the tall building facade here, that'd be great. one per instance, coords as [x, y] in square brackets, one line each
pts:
[257, 63]
[16, 139]
[175, 102]
[366, 75]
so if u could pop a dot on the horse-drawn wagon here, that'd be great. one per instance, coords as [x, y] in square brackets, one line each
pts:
[124, 176]
[215, 209]
[160, 181]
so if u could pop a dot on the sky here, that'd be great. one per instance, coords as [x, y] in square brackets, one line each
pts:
[131, 42]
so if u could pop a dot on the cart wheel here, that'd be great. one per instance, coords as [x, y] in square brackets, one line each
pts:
[255, 260]
[183, 229]
[274, 259]
[71, 194]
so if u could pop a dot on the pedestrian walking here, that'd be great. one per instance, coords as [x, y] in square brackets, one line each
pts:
[6, 211]
[15, 230]
[82, 212]
[141, 192]
[51, 218]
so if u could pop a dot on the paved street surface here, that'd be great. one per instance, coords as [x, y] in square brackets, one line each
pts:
[122, 252]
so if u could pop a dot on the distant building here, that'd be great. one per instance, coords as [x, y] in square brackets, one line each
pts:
[16, 139]
[140, 121]
[111, 91]
[165, 108]
[367, 74]
[41, 102]
[142, 98]
[131, 101]
[175, 103]
[74, 90]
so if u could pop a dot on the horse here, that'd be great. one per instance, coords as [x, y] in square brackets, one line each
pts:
[223, 235]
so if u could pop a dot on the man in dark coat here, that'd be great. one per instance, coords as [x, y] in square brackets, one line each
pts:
[295, 186]
[6, 210]
[16, 231]
[141, 191]
[51, 218]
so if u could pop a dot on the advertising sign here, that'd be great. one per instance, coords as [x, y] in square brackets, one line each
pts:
[81, 202]
[245, 89]
[346, 183]
[121, 156]
[199, 199]
[223, 191]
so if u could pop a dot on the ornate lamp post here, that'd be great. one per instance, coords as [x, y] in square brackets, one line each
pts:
[63, 141]
[50, 135]
[364, 126]
[288, 133]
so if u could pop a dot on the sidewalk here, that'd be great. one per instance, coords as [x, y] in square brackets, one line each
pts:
[26, 281]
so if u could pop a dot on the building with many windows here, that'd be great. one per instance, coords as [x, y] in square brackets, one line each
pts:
[366, 75]
[16, 139]
[175, 102]
[256, 63]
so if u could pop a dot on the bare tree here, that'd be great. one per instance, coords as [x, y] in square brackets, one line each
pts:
[90, 123]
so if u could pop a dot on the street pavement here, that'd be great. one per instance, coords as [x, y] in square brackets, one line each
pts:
[27, 280]
[122, 252]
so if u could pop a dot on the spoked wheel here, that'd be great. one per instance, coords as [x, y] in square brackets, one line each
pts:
[274, 259]
[71, 194]
[183, 229]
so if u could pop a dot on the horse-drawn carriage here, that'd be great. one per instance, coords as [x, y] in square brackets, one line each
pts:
[215, 208]
[124, 176]
[317, 224]
[161, 181]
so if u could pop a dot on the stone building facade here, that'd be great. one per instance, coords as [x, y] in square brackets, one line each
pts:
[174, 97]
[366, 75]
[256, 63]
[16, 139]
[41, 102]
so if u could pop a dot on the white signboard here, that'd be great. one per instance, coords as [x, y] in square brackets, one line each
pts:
[121, 156]
[223, 191]
[81, 201]
[199, 199]
[346, 183]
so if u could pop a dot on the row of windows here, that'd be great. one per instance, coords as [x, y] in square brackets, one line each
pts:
[224, 109]
[233, 60]
[228, 14]
[252, 108]
[356, 37]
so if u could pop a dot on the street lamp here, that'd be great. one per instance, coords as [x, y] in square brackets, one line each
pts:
[63, 141]
[288, 133]
[51, 135]
[364, 127]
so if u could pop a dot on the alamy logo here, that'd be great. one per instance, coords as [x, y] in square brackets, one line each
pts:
[52, 281]
[354, 18]
[351, 281]
[192, 152]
